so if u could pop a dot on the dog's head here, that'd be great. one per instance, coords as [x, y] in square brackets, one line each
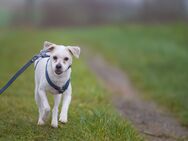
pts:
[61, 56]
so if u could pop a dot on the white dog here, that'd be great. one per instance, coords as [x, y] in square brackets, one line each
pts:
[53, 74]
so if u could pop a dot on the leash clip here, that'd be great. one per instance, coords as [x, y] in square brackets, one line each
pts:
[34, 58]
[43, 53]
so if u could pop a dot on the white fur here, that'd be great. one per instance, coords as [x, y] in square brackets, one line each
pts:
[42, 86]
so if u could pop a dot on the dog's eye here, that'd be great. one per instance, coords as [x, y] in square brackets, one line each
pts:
[66, 58]
[55, 57]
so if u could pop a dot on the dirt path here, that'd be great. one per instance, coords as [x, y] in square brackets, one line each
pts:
[153, 123]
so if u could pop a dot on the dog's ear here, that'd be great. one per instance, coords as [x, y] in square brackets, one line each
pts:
[74, 50]
[49, 46]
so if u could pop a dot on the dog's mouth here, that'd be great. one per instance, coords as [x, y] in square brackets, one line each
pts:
[58, 72]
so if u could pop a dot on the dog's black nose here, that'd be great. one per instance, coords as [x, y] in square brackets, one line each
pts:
[58, 66]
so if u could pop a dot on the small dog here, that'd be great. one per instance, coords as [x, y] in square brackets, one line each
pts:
[53, 74]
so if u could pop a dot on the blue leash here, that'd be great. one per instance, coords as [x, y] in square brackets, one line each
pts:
[20, 71]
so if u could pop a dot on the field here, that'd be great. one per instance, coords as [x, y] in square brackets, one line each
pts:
[154, 56]
[91, 115]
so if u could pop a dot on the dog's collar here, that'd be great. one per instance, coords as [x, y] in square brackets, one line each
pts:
[59, 89]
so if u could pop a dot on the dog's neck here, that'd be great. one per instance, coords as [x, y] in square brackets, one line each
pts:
[58, 80]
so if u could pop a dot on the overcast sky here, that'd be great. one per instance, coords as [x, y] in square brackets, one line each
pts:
[8, 4]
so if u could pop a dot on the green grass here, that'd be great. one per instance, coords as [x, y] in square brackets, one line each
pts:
[91, 116]
[154, 56]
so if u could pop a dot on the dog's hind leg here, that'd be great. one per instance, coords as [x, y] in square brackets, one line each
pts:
[44, 104]
[39, 104]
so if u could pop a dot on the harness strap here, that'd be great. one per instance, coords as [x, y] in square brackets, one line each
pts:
[37, 63]
[59, 89]
[20, 71]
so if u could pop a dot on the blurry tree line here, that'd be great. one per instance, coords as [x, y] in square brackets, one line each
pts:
[86, 12]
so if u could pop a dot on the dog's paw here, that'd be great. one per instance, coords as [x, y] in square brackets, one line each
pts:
[63, 120]
[40, 122]
[54, 125]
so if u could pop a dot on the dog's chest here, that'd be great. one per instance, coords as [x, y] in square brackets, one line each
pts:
[51, 89]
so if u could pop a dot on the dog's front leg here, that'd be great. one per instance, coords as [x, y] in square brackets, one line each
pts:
[45, 104]
[65, 106]
[57, 99]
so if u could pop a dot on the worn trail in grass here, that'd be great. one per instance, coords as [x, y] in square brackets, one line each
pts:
[154, 56]
[153, 123]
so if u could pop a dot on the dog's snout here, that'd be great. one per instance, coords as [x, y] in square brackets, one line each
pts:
[58, 66]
